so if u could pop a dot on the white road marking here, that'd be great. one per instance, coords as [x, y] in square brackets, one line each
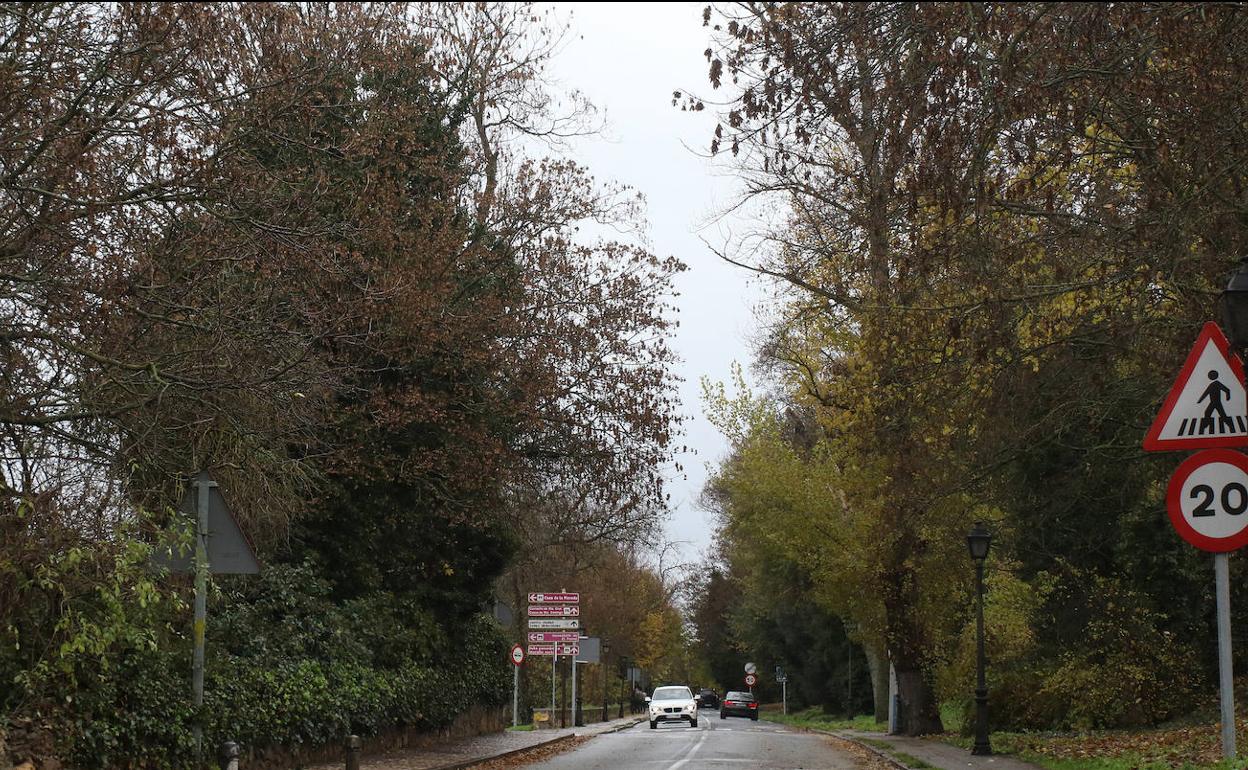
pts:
[692, 751]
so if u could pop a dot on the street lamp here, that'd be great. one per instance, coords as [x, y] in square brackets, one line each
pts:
[623, 663]
[978, 541]
[1235, 307]
[606, 650]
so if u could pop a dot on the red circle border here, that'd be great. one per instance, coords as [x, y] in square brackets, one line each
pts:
[512, 656]
[1174, 504]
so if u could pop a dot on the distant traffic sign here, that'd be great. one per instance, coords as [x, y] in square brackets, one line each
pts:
[549, 649]
[517, 654]
[536, 623]
[1207, 500]
[1207, 404]
[554, 636]
[750, 668]
[554, 611]
[554, 598]
[751, 680]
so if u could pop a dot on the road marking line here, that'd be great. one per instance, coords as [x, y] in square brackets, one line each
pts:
[692, 751]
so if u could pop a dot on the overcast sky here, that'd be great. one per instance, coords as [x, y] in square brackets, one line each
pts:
[627, 58]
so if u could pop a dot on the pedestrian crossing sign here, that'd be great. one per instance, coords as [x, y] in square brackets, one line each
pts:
[1207, 406]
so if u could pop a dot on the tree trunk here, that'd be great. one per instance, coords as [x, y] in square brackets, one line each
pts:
[919, 712]
[878, 666]
[907, 643]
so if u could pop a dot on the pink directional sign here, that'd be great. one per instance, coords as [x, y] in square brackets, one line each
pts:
[554, 598]
[553, 611]
[549, 649]
[554, 636]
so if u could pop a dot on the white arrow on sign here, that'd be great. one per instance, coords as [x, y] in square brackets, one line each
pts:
[1207, 403]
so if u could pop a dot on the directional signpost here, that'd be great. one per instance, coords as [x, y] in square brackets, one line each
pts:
[1208, 495]
[548, 612]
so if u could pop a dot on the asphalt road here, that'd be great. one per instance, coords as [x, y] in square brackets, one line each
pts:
[714, 743]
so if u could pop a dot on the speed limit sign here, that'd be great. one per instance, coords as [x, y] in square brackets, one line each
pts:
[750, 680]
[1207, 500]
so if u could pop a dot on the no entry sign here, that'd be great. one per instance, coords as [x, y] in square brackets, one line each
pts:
[1207, 500]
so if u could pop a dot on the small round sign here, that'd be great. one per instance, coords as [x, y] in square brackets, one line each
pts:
[750, 680]
[750, 668]
[517, 654]
[1207, 500]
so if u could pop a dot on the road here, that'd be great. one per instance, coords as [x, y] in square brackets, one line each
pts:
[714, 743]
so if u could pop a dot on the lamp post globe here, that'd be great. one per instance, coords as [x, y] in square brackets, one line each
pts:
[1235, 307]
[978, 541]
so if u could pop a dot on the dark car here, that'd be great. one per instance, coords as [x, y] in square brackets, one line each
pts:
[707, 699]
[739, 704]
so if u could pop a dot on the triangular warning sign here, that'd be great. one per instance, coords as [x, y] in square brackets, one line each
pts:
[1207, 406]
[229, 550]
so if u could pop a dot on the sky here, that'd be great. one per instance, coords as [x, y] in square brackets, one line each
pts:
[628, 58]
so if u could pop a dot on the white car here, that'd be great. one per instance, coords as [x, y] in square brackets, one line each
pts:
[672, 704]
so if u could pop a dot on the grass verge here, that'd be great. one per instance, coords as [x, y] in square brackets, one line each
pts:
[815, 719]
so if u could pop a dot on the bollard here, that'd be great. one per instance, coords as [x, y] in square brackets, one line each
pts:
[227, 756]
[353, 752]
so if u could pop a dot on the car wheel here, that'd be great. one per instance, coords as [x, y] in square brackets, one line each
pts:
[753, 717]
[721, 716]
[693, 722]
[653, 725]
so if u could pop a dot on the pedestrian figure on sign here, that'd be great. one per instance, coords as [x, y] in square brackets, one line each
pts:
[1215, 393]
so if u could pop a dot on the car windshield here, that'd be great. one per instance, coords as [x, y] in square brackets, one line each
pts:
[672, 693]
[738, 696]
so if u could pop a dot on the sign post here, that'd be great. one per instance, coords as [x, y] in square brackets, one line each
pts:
[576, 712]
[784, 689]
[221, 548]
[203, 486]
[517, 660]
[1206, 500]
[1208, 494]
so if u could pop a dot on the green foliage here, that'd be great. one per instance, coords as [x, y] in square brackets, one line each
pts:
[286, 665]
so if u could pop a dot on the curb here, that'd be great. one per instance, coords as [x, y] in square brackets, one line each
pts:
[479, 760]
[878, 752]
[634, 723]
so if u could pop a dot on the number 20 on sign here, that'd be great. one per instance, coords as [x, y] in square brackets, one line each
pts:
[1207, 500]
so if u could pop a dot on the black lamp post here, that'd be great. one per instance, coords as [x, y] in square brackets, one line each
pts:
[978, 541]
[606, 650]
[622, 662]
[1235, 307]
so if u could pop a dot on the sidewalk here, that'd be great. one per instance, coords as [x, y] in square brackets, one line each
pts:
[471, 751]
[936, 753]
